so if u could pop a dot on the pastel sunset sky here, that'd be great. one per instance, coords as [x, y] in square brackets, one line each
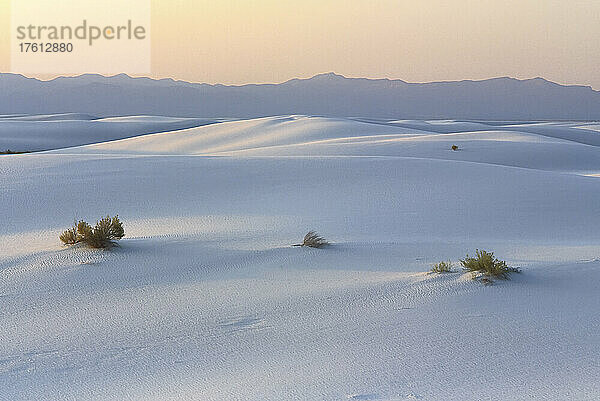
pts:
[245, 41]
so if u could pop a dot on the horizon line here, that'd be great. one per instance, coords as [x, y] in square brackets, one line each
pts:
[322, 74]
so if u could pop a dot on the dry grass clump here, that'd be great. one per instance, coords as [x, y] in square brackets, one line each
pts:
[10, 152]
[487, 264]
[103, 235]
[442, 267]
[313, 240]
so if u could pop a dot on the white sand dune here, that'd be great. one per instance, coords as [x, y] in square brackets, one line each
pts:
[205, 299]
[44, 132]
[49, 117]
[561, 146]
[244, 135]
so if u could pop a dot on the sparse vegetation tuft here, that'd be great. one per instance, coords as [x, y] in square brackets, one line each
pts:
[103, 235]
[487, 264]
[69, 237]
[313, 240]
[10, 152]
[442, 267]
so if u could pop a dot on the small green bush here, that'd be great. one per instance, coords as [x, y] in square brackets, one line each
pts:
[442, 267]
[487, 264]
[69, 237]
[454, 147]
[103, 235]
[10, 152]
[313, 240]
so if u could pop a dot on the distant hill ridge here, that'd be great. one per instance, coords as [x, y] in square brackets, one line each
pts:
[327, 94]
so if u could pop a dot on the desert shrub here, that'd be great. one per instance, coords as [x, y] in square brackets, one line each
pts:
[442, 267]
[84, 231]
[313, 240]
[486, 263]
[69, 237]
[104, 234]
[454, 147]
[10, 152]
